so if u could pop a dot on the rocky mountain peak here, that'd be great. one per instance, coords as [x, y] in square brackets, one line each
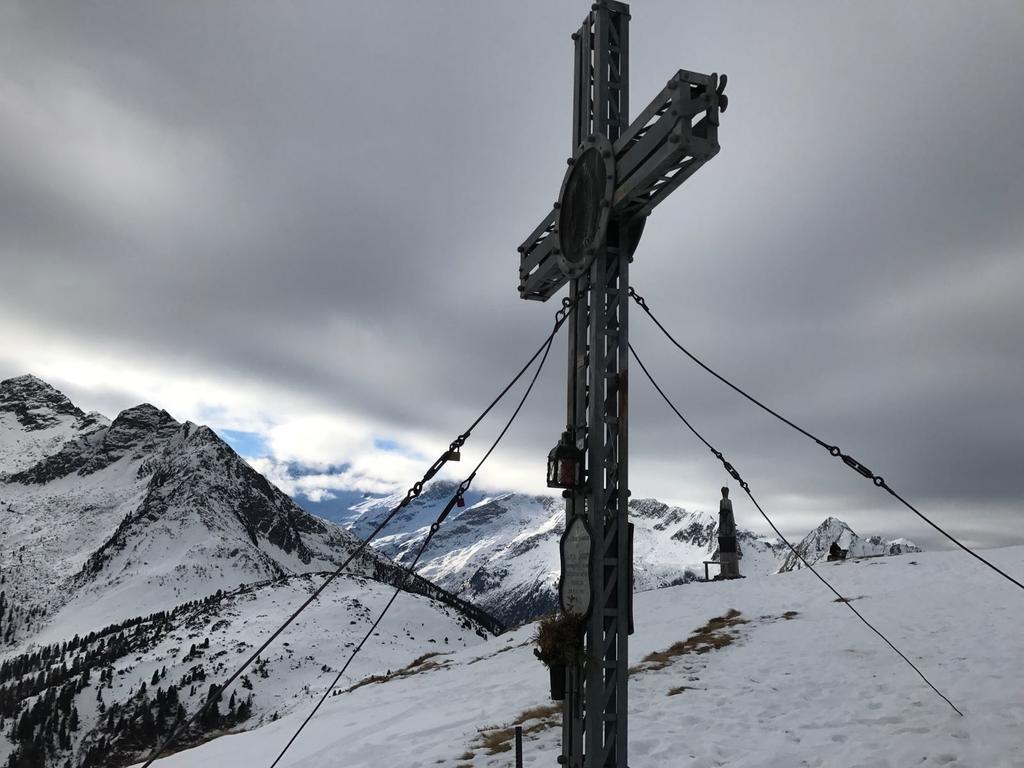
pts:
[24, 387]
[815, 545]
[832, 528]
[36, 420]
[35, 404]
[438, 490]
[648, 507]
[140, 424]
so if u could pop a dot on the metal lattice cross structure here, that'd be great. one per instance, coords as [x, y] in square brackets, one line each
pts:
[618, 174]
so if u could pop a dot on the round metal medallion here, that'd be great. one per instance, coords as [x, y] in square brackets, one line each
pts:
[585, 205]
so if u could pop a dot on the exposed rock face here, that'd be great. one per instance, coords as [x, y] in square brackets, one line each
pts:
[36, 420]
[137, 432]
[35, 404]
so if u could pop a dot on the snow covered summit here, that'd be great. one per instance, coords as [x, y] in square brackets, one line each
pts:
[36, 420]
[816, 544]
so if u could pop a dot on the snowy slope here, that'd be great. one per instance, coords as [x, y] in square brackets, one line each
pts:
[815, 545]
[802, 683]
[180, 652]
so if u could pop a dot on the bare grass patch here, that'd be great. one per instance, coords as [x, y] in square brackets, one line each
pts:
[499, 738]
[424, 663]
[712, 636]
[680, 688]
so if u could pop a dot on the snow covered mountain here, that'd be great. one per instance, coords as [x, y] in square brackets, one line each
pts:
[502, 552]
[137, 514]
[815, 545]
[144, 552]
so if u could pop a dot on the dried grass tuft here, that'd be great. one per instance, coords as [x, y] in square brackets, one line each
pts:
[712, 636]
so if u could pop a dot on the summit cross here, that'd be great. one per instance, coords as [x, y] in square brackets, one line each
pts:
[618, 173]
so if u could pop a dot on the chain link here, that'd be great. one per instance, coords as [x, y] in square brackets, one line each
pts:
[637, 298]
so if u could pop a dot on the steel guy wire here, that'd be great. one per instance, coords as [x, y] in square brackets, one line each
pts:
[456, 497]
[746, 488]
[568, 306]
[833, 450]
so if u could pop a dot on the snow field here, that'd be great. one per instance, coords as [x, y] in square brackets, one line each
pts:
[817, 689]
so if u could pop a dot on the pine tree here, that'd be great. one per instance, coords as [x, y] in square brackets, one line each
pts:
[212, 716]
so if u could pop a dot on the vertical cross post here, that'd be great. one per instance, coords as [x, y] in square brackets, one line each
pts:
[595, 733]
[618, 174]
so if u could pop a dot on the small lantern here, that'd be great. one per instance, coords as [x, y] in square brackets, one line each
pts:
[565, 464]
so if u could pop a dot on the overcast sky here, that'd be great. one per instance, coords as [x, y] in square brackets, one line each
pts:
[299, 221]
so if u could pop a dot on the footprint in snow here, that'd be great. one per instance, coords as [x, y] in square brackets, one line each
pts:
[915, 729]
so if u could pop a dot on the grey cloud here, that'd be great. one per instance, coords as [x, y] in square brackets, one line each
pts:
[853, 255]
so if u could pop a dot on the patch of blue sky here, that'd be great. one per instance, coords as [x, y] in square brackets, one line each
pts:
[382, 444]
[248, 444]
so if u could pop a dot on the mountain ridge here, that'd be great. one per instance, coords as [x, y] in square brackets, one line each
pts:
[141, 512]
[502, 551]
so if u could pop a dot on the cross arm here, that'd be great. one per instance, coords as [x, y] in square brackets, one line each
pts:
[667, 143]
[539, 274]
